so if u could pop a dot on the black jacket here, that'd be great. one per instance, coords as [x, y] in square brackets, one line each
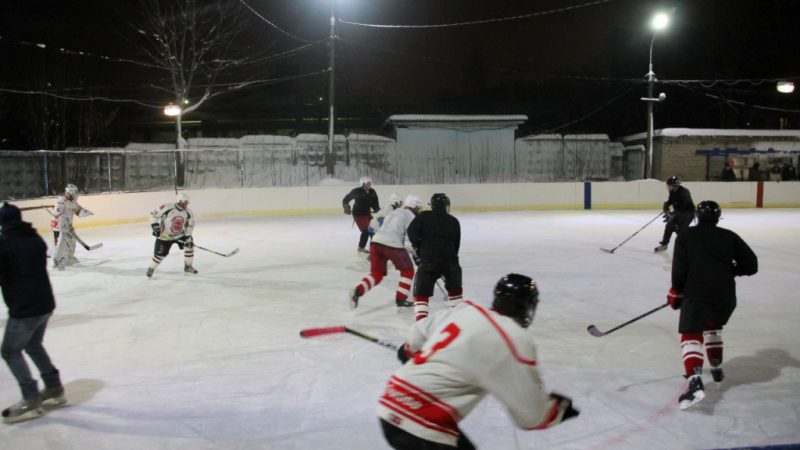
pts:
[707, 258]
[23, 271]
[366, 201]
[681, 201]
[435, 235]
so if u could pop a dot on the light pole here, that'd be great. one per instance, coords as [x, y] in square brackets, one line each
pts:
[659, 22]
[331, 90]
[173, 110]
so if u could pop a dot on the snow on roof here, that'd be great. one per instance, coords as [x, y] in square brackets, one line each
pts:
[570, 137]
[314, 137]
[368, 137]
[260, 139]
[456, 118]
[672, 132]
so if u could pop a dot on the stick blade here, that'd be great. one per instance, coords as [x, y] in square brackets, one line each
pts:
[607, 250]
[313, 332]
[95, 246]
[232, 252]
[594, 331]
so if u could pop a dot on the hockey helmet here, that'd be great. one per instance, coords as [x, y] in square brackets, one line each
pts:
[673, 181]
[440, 201]
[708, 211]
[412, 202]
[365, 180]
[71, 190]
[395, 200]
[182, 198]
[516, 296]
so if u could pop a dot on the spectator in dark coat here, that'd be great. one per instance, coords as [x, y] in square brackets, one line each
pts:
[29, 297]
[754, 174]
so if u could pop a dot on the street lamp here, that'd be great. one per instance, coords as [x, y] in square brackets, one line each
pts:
[173, 110]
[658, 23]
[331, 89]
[785, 87]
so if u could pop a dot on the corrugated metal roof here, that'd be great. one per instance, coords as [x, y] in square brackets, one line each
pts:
[456, 118]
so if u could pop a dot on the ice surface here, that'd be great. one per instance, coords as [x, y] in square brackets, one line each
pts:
[215, 360]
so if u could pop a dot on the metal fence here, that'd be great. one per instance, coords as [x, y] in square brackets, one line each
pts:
[274, 161]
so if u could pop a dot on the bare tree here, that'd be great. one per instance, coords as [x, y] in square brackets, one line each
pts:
[193, 43]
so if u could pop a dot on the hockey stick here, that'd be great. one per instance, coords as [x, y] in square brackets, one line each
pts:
[29, 208]
[85, 245]
[597, 333]
[634, 234]
[230, 253]
[312, 332]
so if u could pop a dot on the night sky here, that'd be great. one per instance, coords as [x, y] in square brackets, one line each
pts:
[579, 70]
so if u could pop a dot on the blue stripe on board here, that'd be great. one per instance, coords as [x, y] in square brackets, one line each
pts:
[766, 447]
[587, 195]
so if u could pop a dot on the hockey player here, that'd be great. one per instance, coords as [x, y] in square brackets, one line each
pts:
[395, 201]
[29, 296]
[436, 237]
[173, 223]
[388, 244]
[460, 355]
[680, 216]
[365, 203]
[705, 262]
[63, 213]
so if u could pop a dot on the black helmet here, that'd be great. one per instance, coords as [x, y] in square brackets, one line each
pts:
[516, 296]
[673, 181]
[440, 202]
[708, 211]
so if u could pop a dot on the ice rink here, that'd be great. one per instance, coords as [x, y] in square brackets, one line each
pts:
[215, 361]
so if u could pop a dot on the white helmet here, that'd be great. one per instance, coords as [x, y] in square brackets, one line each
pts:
[412, 202]
[395, 200]
[72, 190]
[365, 180]
[182, 197]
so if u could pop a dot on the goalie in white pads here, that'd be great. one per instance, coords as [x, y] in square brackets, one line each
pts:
[173, 223]
[388, 244]
[454, 359]
[63, 213]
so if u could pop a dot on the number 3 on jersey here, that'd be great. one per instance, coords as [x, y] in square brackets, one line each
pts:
[450, 333]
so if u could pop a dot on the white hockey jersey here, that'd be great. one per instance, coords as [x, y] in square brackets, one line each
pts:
[460, 356]
[175, 222]
[377, 219]
[393, 231]
[64, 213]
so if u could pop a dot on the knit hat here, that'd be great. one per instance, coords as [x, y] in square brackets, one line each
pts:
[9, 213]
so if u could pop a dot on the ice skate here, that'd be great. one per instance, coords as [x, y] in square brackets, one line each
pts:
[660, 248]
[53, 396]
[403, 303]
[150, 271]
[24, 409]
[694, 393]
[354, 299]
[363, 250]
[71, 261]
[716, 371]
[189, 269]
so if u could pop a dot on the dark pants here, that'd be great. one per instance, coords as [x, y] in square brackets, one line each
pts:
[362, 222]
[402, 440]
[678, 224]
[27, 334]
[430, 271]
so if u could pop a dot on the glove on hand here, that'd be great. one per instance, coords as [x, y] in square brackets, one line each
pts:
[565, 404]
[668, 216]
[347, 209]
[156, 229]
[185, 241]
[403, 354]
[674, 298]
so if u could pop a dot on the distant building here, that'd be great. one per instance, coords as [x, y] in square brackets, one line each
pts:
[695, 154]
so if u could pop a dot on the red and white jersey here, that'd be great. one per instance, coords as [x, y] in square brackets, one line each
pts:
[393, 231]
[64, 212]
[460, 356]
[174, 221]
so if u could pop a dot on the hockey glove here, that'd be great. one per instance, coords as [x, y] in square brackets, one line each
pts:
[674, 298]
[347, 209]
[403, 354]
[565, 405]
[668, 216]
[156, 229]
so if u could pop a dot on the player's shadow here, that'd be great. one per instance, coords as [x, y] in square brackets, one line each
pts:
[764, 366]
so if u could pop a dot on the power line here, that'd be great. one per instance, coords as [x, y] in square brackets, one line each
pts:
[76, 98]
[257, 14]
[479, 22]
